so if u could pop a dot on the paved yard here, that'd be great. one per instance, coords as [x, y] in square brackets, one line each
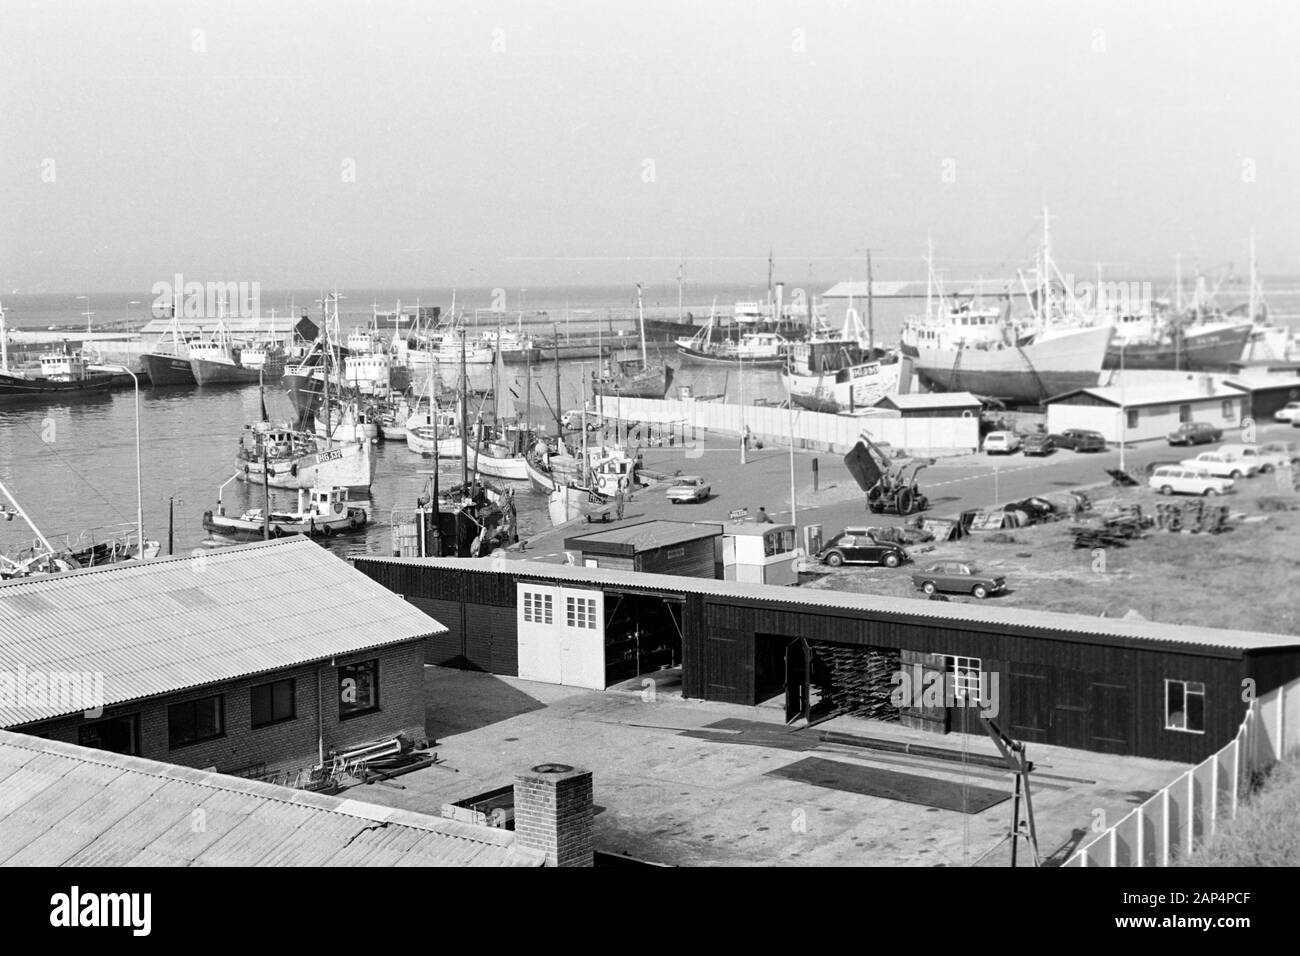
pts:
[680, 800]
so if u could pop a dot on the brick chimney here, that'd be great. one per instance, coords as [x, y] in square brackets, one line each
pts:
[553, 813]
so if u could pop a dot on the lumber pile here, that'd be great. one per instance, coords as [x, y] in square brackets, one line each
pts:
[856, 681]
[1196, 517]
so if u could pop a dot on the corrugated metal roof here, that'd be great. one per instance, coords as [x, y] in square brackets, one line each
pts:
[71, 806]
[1163, 394]
[932, 400]
[240, 611]
[1004, 619]
[642, 536]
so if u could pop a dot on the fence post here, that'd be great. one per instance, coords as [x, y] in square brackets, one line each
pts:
[1236, 775]
[1164, 826]
[1114, 847]
[1281, 721]
[1190, 843]
[1214, 793]
[1140, 849]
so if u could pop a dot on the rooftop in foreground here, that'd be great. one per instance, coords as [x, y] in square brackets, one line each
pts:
[171, 624]
[64, 805]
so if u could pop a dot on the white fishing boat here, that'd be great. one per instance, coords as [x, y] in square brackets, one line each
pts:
[295, 459]
[321, 513]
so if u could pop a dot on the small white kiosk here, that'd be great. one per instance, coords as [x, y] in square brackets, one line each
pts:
[759, 553]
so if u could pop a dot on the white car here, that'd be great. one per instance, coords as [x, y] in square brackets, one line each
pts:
[1001, 443]
[1284, 449]
[1288, 412]
[1263, 459]
[1220, 465]
[1177, 479]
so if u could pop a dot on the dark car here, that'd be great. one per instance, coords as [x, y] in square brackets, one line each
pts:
[1079, 439]
[857, 546]
[958, 578]
[1195, 433]
[1041, 445]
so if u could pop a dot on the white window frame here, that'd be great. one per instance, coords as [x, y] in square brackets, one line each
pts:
[1187, 692]
[538, 608]
[967, 677]
[580, 612]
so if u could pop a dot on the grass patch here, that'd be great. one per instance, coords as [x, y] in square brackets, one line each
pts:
[1265, 831]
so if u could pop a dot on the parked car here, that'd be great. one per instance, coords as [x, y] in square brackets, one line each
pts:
[1288, 413]
[958, 578]
[1001, 443]
[857, 546]
[1041, 445]
[1195, 433]
[1220, 465]
[1286, 449]
[1079, 439]
[689, 488]
[572, 420]
[1264, 461]
[1177, 479]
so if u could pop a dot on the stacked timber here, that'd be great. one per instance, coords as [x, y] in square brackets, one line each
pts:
[856, 681]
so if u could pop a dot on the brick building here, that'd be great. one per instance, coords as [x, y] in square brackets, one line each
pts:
[248, 660]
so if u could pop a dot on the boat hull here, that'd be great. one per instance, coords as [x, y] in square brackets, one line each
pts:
[693, 356]
[16, 388]
[350, 466]
[856, 387]
[1209, 350]
[653, 383]
[208, 372]
[1026, 374]
[514, 468]
[166, 371]
[242, 529]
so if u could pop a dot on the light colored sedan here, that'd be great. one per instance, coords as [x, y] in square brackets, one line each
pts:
[1220, 465]
[689, 488]
[1288, 412]
[1180, 480]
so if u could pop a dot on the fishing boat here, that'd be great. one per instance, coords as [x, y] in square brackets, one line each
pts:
[469, 519]
[93, 548]
[393, 414]
[168, 362]
[321, 513]
[963, 346]
[633, 378]
[63, 375]
[221, 361]
[295, 459]
[350, 421]
[755, 349]
[843, 372]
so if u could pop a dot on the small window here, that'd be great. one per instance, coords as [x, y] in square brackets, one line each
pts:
[1185, 706]
[120, 735]
[1228, 409]
[273, 703]
[1132, 418]
[358, 689]
[196, 721]
[1184, 413]
[581, 612]
[964, 678]
[537, 608]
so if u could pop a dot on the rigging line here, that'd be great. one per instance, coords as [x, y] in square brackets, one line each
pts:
[50, 447]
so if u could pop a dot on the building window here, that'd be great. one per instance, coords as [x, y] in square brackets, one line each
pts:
[1131, 416]
[1184, 413]
[358, 689]
[963, 676]
[121, 735]
[1228, 411]
[673, 553]
[273, 702]
[537, 608]
[1185, 706]
[196, 721]
[581, 612]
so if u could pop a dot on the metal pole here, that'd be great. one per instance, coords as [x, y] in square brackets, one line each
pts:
[266, 494]
[171, 523]
[139, 485]
[1123, 412]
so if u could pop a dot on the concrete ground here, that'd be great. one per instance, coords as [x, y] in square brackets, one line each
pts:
[952, 484]
[679, 800]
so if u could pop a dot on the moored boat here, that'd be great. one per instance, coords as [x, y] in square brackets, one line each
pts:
[321, 513]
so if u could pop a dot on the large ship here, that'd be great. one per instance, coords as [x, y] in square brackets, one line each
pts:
[966, 347]
[63, 375]
[1206, 345]
[168, 362]
[220, 361]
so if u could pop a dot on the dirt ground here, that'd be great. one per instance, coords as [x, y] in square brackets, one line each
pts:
[1244, 578]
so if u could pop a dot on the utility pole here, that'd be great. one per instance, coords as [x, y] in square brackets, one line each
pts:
[871, 323]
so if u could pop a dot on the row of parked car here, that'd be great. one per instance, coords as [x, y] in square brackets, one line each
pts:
[1042, 443]
[860, 546]
[1217, 472]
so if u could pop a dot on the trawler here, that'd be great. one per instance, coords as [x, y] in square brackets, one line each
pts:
[63, 375]
[321, 513]
[633, 378]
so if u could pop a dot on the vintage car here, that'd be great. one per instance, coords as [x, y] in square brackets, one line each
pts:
[858, 546]
[956, 577]
[689, 488]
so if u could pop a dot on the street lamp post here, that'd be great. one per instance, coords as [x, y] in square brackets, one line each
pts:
[139, 484]
[1123, 412]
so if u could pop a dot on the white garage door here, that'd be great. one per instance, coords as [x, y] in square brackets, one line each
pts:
[561, 635]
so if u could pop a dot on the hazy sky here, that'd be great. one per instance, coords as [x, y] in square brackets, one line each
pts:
[406, 144]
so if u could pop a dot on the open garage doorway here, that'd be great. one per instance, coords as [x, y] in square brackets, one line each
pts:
[824, 680]
[643, 635]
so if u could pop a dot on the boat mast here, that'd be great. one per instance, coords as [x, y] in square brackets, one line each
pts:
[559, 427]
[1178, 283]
[4, 342]
[871, 322]
[326, 355]
[464, 424]
[679, 292]
[1254, 298]
[640, 311]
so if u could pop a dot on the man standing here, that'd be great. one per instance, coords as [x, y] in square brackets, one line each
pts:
[618, 505]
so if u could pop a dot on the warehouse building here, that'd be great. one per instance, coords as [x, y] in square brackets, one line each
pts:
[250, 660]
[660, 547]
[1115, 686]
[1147, 412]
